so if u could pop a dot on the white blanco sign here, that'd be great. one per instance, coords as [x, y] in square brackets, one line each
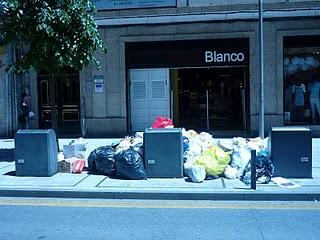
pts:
[223, 57]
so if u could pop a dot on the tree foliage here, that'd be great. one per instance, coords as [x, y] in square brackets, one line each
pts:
[51, 35]
[56, 33]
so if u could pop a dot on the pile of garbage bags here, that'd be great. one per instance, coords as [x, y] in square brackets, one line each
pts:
[121, 160]
[207, 158]
[204, 157]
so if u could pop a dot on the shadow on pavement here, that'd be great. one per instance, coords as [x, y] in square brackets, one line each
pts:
[7, 155]
[11, 173]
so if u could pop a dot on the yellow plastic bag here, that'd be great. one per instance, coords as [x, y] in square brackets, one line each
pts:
[213, 160]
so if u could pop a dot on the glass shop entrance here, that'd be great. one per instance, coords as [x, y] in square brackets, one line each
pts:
[210, 99]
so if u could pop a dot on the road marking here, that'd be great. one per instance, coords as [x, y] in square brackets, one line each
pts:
[159, 204]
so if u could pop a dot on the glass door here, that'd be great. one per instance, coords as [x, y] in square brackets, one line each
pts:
[67, 98]
[210, 99]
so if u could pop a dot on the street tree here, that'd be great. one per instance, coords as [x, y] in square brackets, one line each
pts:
[54, 35]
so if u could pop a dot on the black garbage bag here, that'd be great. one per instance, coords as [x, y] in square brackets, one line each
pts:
[101, 161]
[264, 171]
[129, 164]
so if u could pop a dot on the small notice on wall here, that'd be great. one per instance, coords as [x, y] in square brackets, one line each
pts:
[98, 83]
[286, 117]
[98, 88]
[123, 4]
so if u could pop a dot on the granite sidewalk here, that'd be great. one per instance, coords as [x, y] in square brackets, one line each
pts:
[84, 185]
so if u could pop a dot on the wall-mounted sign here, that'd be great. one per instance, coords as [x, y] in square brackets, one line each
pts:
[188, 53]
[98, 83]
[98, 87]
[98, 79]
[125, 4]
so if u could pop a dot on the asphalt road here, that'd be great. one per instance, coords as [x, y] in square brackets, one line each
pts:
[27, 218]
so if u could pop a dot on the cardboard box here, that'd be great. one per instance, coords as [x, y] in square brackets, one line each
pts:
[66, 165]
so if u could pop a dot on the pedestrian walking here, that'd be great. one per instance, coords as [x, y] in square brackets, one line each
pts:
[26, 110]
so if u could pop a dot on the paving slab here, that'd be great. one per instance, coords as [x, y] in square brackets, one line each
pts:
[7, 168]
[235, 184]
[7, 143]
[316, 173]
[316, 152]
[57, 180]
[162, 183]
[90, 181]
[306, 182]
[4, 165]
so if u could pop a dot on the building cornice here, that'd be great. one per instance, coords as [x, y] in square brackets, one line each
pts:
[207, 17]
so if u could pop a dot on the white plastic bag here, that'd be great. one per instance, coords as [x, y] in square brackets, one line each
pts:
[226, 145]
[127, 142]
[194, 149]
[239, 142]
[32, 115]
[231, 173]
[240, 158]
[195, 172]
[206, 141]
[256, 144]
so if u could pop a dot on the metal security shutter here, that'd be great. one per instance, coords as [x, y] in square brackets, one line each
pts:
[159, 93]
[139, 90]
[149, 96]
[139, 99]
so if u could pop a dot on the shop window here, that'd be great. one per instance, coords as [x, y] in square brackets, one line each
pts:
[301, 70]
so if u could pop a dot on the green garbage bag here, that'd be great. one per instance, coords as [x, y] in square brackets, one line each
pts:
[213, 160]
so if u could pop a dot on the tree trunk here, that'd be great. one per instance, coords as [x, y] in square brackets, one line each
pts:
[52, 87]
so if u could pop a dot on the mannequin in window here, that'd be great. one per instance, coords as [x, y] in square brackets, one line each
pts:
[314, 94]
[298, 91]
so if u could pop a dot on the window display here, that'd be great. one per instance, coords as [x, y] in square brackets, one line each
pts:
[301, 68]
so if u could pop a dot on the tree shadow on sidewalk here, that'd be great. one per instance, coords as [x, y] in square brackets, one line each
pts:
[7, 155]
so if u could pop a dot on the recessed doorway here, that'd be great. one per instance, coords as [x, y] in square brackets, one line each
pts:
[67, 98]
[210, 99]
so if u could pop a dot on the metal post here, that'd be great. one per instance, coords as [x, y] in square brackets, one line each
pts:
[83, 115]
[208, 126]
[8, 96]
[171, 104]
[243, 104]
[261, 63]
[253, 170]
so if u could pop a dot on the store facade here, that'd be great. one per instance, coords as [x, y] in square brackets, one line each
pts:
[200, 84]
[199, 68]
[208, 72]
